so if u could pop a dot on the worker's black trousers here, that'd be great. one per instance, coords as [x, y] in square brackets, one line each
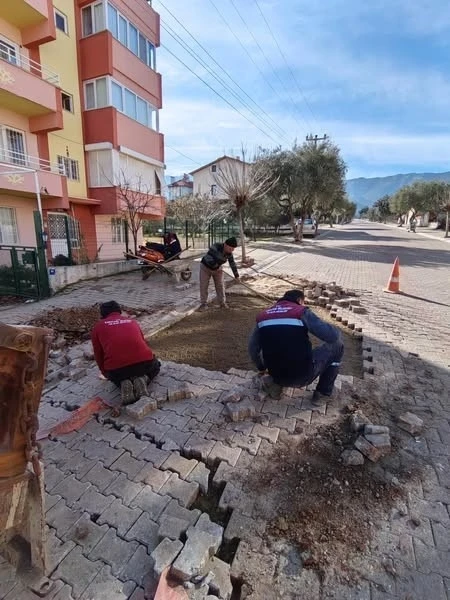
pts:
[148, 368]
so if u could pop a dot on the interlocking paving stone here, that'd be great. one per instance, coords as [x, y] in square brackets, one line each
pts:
[86, 533]
[119, 516]
[154, 455]
[106, 587]
[200, 474]
[175, 510]
[150, 502]
[100, 476]
[94, 502]
[155, 478]
[113, 550]
[131, 443]
[77, 571]
[61, 517]
[186, 493]
[178, 464]
[125, 489]
[127, 465]
[139, 565]
[222, 452]
[165, 553]
[145, 531]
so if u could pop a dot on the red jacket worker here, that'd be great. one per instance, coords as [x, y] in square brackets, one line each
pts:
[122, 354]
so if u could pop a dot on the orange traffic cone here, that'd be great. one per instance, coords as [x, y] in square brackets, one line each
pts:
[394, 280]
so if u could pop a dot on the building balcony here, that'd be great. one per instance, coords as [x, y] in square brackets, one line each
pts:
[109, 125]
[101, 54]
[23, 175]
[29, 88]
[33, 17]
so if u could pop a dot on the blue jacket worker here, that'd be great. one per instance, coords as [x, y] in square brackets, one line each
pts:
[211, 266]
[280, 344]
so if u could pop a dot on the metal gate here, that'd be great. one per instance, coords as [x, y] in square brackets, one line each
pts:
[23, 269]
[19, 272]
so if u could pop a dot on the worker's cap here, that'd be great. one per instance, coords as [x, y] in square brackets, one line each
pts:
[232, 242]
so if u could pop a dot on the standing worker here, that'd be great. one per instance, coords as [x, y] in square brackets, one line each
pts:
[122, 354]
[211, 266]
[280, 344]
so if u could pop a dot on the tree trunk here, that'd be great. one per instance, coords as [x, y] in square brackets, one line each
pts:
[294, 227]
[447, 222]
[241, 232]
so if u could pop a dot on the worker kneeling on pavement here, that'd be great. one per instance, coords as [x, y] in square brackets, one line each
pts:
[280, 344]
[211, 266]
[122, 354]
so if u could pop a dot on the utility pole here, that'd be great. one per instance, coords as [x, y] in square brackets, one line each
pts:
[315, 138]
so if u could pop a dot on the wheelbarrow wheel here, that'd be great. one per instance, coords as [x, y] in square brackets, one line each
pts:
[186, 275]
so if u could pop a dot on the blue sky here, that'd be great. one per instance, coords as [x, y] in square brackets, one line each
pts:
[372, 75]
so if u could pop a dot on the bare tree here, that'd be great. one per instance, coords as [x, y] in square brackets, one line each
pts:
[243, 184]
[136, 198]
[199, 210]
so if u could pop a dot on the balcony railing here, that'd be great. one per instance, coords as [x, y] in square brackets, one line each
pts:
[9, 54]
[21, 160]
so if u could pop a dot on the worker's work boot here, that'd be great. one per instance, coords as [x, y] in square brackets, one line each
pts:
[319, 399]
[127, 392]
[203, 307]
[271, 388]
[140, 387]
[224, 305]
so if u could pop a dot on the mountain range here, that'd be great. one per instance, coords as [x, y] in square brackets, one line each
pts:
[365, 191]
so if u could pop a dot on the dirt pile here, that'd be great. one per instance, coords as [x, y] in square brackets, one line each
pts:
[74, 324]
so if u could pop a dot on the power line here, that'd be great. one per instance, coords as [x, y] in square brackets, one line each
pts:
[275, 91]
[217, 93]
[268, 61]
[285, 61]
[184, 155]
[259, 107]
[219, 79]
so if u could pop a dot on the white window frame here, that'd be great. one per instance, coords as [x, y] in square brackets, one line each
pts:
[152, 111]
[74, 228]
[96, 27]
[6, 47]
[117, 230]
[213, 189]
[64, 18]
[213, 168]
[70, 97]
[6, 238]
[7, 153]
[70, 167]
[150, 48]
[94, 83]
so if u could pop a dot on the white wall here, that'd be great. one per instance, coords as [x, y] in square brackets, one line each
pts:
[204, 178]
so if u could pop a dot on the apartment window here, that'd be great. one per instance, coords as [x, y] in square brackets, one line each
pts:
[67, 102]
[117, 230]
[74, 232]
[123, 31]
[157, 185]
[9, 233]
[134, 37]
[142, 111]
[213, 168]
[69, 167]
[130, 104]
[213, 189]
[117, 96]
[96, 93]
[93, 18]
[12, 146]
[61, 22]
[9, 52]
[113, 21]
[107, 92]
[130, 36]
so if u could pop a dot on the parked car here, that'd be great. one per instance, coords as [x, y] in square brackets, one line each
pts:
[309, 227]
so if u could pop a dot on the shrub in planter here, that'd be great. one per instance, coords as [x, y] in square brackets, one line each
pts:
[62, 261]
